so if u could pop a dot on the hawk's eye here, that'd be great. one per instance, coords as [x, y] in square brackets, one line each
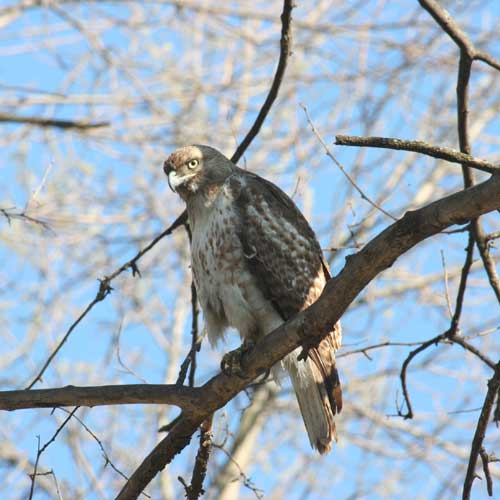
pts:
[192, 163]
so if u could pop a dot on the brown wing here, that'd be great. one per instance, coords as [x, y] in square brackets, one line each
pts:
[280, 246]
[285, 256]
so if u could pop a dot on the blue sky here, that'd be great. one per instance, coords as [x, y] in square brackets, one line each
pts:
[93, 162]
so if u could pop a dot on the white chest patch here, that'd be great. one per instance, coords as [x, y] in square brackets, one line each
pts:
[227, 290]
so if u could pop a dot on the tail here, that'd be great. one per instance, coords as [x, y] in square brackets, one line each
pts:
[317, 386]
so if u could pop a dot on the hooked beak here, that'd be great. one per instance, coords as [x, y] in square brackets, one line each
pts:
[172, 178]
[175, 180]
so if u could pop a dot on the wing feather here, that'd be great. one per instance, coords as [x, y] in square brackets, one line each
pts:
[281, 248]
[285, 256]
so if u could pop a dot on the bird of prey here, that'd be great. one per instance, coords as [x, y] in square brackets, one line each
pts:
[256, 263]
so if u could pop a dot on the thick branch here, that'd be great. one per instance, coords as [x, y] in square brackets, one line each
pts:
[184, 397]
[163, 453]
[360, 269]
[447, 154]
[340, 291]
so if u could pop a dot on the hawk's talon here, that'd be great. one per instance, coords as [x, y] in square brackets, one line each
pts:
[231, 362]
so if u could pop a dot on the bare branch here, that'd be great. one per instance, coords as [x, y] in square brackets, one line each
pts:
[10, 214]
[448, 24]
[51, 122]
[445, 337]
[442, 153]
[285, 52]
[105, 289]
[462, 286]
[342, 169]
[44, 447]
[485, 459]
[184, 397]
[484, 418]
[195, 489]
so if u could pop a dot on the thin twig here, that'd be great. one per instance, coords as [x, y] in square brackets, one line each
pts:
[363, 350]
[459, 302]
[442, 338]
[485, 459]
[35, 468]
[10, 215]
[247, 482]
[342, 169]
[105, 289]
[45, 446]
[439, 152]
[286, 42]
[107, 459]
[446, 284]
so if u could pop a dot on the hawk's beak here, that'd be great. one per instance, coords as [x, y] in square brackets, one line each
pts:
[171, 177]
[175, 180]
[169, 171]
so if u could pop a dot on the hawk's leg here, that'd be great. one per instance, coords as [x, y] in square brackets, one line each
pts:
[231, 362]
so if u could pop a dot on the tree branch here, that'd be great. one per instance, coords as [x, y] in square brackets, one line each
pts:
[342, 169]
[361, 268]
[51, 122]
[185, 397]
[285, 52]
[163, 453]
[477, 442]
[447, 154]
[105, 289]
[450, 26]
[195, 489]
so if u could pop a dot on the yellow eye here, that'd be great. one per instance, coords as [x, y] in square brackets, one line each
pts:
[192, 163]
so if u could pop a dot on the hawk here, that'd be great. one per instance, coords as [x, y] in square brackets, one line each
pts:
[256, 263]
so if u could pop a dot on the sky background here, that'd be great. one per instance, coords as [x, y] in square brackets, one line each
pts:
[164, 76]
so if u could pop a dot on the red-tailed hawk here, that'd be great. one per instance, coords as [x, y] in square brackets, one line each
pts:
[256, 263]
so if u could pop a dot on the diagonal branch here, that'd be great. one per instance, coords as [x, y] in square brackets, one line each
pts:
[477, 442]
[285, 52]
[342, 169]
[359, 270]
[340, 291]
[105, 289]
[450, 26]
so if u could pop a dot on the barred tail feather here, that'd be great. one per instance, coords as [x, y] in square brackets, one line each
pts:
[319, 396]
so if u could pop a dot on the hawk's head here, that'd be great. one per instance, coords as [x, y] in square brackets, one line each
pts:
[191, 169]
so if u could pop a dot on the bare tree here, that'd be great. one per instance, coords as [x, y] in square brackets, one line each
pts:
[94, 96]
